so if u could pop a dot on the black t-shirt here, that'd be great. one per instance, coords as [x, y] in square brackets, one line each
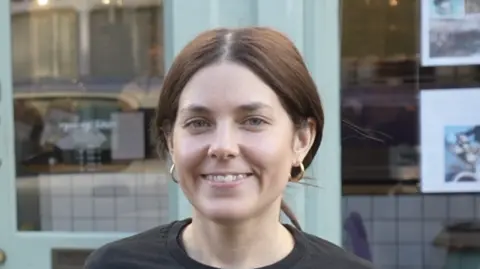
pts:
[161, 248]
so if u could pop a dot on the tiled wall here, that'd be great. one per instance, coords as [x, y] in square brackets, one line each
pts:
[401, 229]
[127, 202]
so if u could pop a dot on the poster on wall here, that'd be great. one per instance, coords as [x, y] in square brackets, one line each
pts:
[450, 140]
[450, 32]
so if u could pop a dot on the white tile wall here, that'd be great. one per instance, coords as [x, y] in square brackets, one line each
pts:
[435, 207]
[385, 255]
[103, 202]
[462, 207]
[401, 229]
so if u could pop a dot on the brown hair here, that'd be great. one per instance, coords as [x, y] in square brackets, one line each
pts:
[266, 52]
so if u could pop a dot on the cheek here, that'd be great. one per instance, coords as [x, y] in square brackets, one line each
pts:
[271, 144]
[272, 152]
[189, 151]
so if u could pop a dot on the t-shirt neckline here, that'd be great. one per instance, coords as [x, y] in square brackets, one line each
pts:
[178, 252]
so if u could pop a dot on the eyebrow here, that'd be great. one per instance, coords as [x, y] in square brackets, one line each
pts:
[193, 108]
[250, 107]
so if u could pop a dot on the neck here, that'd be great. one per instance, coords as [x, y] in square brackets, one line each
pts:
[254, 243]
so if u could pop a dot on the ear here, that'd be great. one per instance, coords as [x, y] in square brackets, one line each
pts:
[169, 140]
[303, 140]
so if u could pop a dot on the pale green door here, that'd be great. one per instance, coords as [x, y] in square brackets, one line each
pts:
[79, 77]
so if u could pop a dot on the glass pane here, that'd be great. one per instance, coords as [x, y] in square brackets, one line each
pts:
[386, 218]
[45, 45]
[85, 160]
[130, 32]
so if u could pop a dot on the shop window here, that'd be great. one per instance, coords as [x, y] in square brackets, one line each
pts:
[86, 81]
[384, 76]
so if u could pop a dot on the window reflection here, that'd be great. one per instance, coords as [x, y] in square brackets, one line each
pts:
[86, 76]
[74, 134]
[45, 44]
[385, 218]
[132, 33]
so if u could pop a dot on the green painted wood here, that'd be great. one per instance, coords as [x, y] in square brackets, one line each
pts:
[322, 50]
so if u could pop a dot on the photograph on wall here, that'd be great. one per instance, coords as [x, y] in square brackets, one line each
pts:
[462, 153]
[450, 32]
[450, 140]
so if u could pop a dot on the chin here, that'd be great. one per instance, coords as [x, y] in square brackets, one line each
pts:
[226, 213]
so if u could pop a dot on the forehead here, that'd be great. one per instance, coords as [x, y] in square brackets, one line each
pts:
[227, 84]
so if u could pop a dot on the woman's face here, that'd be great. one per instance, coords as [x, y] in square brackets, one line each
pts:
[233, 143]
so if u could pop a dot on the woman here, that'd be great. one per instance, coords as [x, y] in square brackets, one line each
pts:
[239, 116]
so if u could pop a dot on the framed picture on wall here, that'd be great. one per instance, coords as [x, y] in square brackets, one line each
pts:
[450, 32]
[450, 140]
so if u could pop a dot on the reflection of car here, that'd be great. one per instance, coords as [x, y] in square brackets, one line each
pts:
[65, 128]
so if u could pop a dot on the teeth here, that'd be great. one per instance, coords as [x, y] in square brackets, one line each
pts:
[225, 178]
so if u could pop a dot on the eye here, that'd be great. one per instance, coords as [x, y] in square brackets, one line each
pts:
[255, 121]
[197, 123]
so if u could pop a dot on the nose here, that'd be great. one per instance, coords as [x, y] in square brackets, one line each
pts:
[224, 144]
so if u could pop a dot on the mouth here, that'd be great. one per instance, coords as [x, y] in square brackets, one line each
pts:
[226, 177]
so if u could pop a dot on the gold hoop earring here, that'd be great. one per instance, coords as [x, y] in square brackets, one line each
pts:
[172, 169]
[298, 177]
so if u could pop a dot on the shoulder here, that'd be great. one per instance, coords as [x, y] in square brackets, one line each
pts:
[331, 255]
[136, 251]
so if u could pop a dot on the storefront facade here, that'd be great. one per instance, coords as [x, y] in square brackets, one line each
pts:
[409, 80]
[81, 65]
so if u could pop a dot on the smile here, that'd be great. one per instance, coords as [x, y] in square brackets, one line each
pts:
[225, 177]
